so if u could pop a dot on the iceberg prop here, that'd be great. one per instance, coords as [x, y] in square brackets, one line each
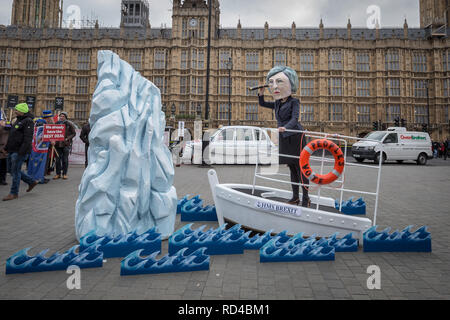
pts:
[123, 244]
[216, 241]
[352, 207]
[128, 184]
[21, 262]
[181, 261]
[403, 241]
[296, 249]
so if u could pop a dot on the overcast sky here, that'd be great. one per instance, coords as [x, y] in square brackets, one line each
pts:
[254, 13]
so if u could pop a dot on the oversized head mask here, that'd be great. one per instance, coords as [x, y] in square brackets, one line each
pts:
[280, 86]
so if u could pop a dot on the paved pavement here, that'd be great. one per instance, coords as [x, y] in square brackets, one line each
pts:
[411, 195]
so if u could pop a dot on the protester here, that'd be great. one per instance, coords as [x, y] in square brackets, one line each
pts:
[3, 153]
[48, 116]
[38, 157]
[446, 145]
[84, 136]
[63, 147]
[18, 147]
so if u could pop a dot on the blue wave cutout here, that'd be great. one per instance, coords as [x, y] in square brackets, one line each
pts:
[403, 241]
[123, 244]
[296, 248]
[258, 241]
[217, 241]
[193, 210]
[21, 262]
[181, 261]
[345, 244]
[351, 207]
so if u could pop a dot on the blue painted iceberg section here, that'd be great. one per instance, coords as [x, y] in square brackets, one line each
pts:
[296, 248]
[403, 241]
[193, 210]
[181, 261]
[352, 207]
[128, 184]
[123, 244]
[21, 262]
[216, 241]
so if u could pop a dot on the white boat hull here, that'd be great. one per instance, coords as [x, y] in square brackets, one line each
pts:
[262, 214]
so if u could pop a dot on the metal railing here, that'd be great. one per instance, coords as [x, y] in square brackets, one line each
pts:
[323, 159]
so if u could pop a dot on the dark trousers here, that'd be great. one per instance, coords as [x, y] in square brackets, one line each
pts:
[86, 148]
[3, 163]
[62, 160]
[298, 177]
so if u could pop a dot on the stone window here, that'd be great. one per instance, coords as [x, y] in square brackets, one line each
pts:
[307, 112]
[363, 114]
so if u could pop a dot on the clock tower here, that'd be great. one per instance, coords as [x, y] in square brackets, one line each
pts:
[190, 19]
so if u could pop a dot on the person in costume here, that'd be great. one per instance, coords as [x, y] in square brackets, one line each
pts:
[283, 82]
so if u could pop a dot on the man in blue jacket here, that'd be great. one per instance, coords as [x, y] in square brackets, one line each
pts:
[18, 148]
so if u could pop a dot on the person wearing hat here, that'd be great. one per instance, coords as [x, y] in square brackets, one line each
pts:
[19, 147]
[63, 147]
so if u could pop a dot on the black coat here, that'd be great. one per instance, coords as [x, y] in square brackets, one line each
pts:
[84, 135]
[21, 135]
[287, 114]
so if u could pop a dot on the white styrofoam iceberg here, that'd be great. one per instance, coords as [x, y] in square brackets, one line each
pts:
[128, 184]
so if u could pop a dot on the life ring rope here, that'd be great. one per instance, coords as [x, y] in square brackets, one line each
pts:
[339, 161]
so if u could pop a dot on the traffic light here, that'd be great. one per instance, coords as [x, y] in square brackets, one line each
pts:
[375, 125]
[424, 127]
[403, 122]
[397, 122]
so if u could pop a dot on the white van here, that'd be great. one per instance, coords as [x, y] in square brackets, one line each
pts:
[398, 144]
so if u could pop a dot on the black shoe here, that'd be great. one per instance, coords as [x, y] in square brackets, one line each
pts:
[306, 202]
[3, 183]
[295, 201]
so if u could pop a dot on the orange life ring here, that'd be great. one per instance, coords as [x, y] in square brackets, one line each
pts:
[339, 161]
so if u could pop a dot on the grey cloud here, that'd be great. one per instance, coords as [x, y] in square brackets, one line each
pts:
[254, 13]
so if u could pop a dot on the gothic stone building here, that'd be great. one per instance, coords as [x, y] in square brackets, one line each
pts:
[349, 77]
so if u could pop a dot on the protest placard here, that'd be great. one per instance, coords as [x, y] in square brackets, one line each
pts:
[54, 132]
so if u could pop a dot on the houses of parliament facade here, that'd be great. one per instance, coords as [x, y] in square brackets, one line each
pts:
[349, 77]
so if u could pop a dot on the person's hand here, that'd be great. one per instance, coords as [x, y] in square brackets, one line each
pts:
[281, 129]
[261, 91]
[2, 123]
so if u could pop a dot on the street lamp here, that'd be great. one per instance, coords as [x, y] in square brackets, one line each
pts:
[173, 109]
[199, 111]
[229, 66]
[428, 106]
